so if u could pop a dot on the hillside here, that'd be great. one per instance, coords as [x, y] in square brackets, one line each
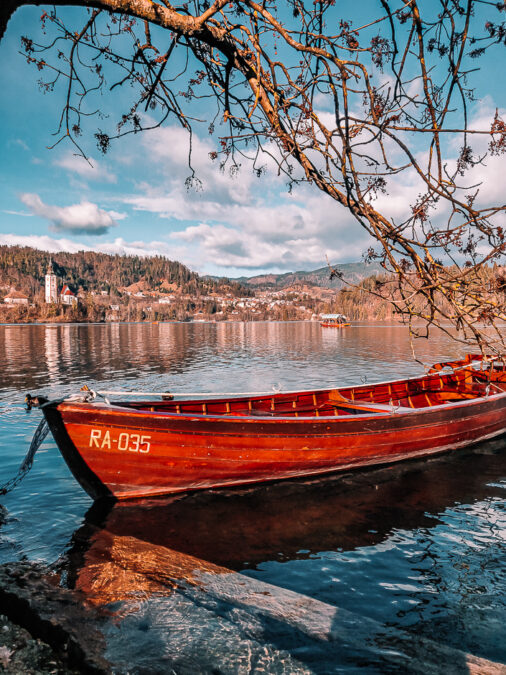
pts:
[133, 288]
[24, 268]
[353, 273]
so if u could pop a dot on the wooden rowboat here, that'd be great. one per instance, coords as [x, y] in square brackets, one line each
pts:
[126, 449]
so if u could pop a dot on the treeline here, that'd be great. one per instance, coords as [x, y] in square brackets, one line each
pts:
[24, 269]
[371, 300]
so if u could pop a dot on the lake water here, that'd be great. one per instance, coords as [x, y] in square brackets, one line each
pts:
[391, 570]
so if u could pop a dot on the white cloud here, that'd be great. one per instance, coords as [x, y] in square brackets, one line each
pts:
[486, 176]
[90, 170]
[238, 249]
[143, 248]
[169, 147]
[43, 243]
[220, 247]
[82, 218]
[244, 222]
[117, 215]
[18, 213]
[116, 247]
[20, 142]
[262, 235]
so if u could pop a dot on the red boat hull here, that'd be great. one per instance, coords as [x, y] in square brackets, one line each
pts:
[129, 452]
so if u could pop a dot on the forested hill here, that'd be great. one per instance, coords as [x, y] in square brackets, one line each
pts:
[24, 269]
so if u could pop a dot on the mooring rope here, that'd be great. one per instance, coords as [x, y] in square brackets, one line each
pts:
[38, 438]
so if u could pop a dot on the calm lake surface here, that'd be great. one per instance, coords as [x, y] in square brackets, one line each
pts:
[371, 572]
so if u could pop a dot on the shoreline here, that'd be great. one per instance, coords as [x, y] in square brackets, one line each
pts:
[391, 322]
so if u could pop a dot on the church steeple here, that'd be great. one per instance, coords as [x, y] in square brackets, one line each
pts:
[51, 284]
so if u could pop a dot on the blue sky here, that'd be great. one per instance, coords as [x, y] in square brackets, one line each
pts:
[134, 200]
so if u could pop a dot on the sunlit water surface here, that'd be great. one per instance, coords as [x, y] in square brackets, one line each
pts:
[420, 548]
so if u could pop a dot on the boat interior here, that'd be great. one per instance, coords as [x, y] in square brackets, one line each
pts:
[434, 389]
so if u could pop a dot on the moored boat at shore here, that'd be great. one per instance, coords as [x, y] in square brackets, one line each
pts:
[126, 449]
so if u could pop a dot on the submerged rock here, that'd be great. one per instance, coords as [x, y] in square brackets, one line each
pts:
[45, 628]
[21, 653]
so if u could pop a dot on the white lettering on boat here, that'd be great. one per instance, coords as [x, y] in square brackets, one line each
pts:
[124, 441]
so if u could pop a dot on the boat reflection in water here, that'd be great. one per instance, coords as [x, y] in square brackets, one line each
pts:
[187, 578]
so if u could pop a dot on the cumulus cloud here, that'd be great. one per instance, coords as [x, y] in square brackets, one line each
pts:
[242, 250]
[263, 235]
[89, 170]
[241, 222]
[143, 248]
[170, 147]
[82, 218]
[220, 248]
[481, 178]
[485, 176]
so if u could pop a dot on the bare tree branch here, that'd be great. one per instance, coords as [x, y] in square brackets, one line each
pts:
[346, 109]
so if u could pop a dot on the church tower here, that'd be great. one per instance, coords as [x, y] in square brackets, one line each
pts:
[51, 284]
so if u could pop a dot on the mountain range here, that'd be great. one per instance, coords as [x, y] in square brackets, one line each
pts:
[352, 272]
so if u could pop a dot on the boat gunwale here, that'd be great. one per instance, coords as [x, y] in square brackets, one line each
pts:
[104, 408]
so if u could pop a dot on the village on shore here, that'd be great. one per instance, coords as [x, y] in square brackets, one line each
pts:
[150, 298]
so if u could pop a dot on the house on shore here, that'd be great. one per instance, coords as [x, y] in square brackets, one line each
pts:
[16, 298]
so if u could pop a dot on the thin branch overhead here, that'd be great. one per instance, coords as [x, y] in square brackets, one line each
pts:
[349, 108]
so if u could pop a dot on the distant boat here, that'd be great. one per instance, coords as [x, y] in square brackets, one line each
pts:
[127, 449]
[334, 321]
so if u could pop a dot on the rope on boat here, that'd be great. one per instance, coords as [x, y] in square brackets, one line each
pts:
[38, 438]
[171, 394]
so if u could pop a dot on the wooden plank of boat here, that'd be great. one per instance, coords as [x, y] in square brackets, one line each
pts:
[144, 448]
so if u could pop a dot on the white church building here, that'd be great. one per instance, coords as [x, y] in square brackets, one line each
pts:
[65, 297]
